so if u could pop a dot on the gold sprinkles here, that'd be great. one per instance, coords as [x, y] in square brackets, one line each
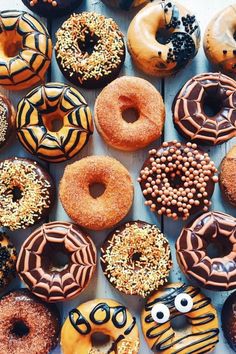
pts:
[34, 190]
[108, 45]
[3, 121]
[149, 271]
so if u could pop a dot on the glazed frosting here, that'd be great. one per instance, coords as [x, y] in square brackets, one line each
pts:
[188, 109]
[35, 116]
[29, 65]
[216, 273]
[47, 282]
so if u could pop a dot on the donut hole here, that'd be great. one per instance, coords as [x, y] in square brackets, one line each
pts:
[218, 249]
[101, 341]
[10, 44]
[136, 257]
[16, 194]
[87, 45]
[212, 105]
[19, 329]
[180, 323]
[163, 35]
[53, 121]
[130, 115]
[55, 258]
[96, 189]
[175, 180]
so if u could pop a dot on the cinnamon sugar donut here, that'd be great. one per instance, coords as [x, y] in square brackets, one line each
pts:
[121, 95]
[109, 208]
[7, 119]
[228, 176]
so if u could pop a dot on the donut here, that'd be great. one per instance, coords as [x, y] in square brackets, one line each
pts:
[124, 4]
[7, 119]
[57, 261]
[228, 319]
[163, 37]
[204, 109]
[99, 53]
[219, 40]
[117, 98]
[26, 193]
[178, 180]
[103, 316]
[106, 210]
[228, 176]
[27, 325]
[52, 8]
[26, 50]
[136, 258]
[212, 272]
[39, 112]
[7, 260]
[171, 302]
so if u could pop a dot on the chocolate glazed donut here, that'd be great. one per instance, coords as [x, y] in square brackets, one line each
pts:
[54, 279]
[204, 109]
[216, 273]
[124, 4]
[52, 8]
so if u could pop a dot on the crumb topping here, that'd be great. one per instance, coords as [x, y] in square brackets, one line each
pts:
[3, 121]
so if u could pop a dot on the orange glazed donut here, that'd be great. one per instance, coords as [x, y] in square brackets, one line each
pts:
[163, 37]
[109, 208]
[219, 40]
[121, 95]
[25, 51]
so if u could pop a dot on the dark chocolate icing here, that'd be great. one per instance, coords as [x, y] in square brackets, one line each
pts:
[47, 9]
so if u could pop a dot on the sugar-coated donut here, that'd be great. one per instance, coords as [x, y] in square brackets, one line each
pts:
[7, 260]
[100, 316]
[109, 208]
[219, 40]
[228, 176]
[178, 180]
[120, 95]
[41, 267]
[215, 273]
[26, 193]
[36, 114]
[52, 8]
[228, 319]
[204, 109]
[7, 119]
[174, 300]
[27, 325]
[136, 258]
[163, 37]
[99, 53]
[26, 50]
[124, 4]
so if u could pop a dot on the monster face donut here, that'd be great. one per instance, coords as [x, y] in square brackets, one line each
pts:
[124, 4]
[7, 119]
[57, 261]
[25, 51]
[178, 180]
[163, 37]
[52, 8]
[219, 40]
[41, 109]
[204, 109]
[99, 53]
[26, 193]
[100, 316]
[215, 273]
[173, 300]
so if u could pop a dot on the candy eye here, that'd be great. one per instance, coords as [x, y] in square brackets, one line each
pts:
[160, 313]
[183, 303]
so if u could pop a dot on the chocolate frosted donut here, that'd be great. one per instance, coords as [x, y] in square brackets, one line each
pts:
[57, 261]
[178, 180]
[124, 4]
[52, 8]
[215, 273]
[136, 258]
[228, 176]
[228, 319]
[27, 325]
[26, 193]
[90, 49]
[7, 119]
[48, 104]
[204, 109]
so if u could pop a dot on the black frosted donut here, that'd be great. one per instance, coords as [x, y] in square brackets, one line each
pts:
[52, 8]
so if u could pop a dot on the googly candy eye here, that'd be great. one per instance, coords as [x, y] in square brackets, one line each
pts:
[183, 303]
[160, 313]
